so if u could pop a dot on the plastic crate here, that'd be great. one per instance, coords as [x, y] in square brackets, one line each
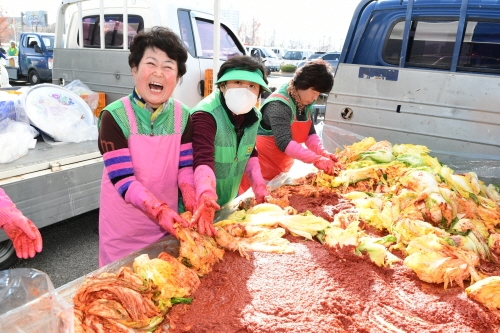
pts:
[209, 82]
[101, 104]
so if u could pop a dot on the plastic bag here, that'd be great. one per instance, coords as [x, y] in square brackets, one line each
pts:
[81, 89]
[12, 107]
[29, 303]
[60, 113]
[16, 138]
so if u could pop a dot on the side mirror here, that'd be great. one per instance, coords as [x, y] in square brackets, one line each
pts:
[38, 49]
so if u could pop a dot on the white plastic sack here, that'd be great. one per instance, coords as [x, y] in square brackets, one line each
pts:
[15, 139]
[81, 89]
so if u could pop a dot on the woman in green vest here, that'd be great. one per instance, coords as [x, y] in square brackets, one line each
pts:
[225, 127]
[287, 123]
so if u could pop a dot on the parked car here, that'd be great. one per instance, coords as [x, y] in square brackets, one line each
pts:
[279, 51]
[315, 55]
[332, 58]
[293, 57]
[265, 54]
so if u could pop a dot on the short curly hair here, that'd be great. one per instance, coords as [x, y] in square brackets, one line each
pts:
[160, 38]
[316, 74]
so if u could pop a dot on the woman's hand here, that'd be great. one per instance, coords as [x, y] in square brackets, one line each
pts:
[203, 218]
[168, 217]
[24, 235]
[325, 164]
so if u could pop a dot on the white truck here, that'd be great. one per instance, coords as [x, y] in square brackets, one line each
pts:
[55, 182]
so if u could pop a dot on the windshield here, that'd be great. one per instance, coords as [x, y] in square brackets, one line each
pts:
[269, 53]
[49, 42]
[293, 55]
[315, 55]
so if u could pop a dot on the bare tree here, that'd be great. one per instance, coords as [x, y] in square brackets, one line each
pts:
[249, 32]
[255, 31]
[5, 29]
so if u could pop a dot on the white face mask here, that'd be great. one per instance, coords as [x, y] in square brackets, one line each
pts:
[240, 100]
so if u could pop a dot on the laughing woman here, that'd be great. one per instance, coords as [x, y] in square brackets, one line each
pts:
[145, 139]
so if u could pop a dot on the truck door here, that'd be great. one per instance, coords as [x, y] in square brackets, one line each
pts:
[28, 55]
[28, 58]
[197, 31]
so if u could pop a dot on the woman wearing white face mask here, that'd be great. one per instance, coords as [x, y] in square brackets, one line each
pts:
[224, 132]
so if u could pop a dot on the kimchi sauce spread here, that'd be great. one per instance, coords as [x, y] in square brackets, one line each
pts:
[320, 289]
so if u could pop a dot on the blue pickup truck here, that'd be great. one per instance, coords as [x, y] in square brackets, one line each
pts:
[424, 72]
[34, 63]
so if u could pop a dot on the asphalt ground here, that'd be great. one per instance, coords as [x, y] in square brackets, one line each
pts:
[70, 249]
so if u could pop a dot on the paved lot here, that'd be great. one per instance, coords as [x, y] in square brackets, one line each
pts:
[70, 249]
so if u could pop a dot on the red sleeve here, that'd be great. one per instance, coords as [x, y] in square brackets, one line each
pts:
[204, 129]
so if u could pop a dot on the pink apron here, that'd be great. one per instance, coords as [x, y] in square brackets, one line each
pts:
[124, 228]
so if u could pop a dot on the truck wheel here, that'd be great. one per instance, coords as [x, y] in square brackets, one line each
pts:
[8, 255]
[33, 77]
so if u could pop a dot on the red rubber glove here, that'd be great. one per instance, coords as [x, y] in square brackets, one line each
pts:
[22, 232]
[155, 209]
[185, 180]
[325, 164]
[168, 217]
[203, 218]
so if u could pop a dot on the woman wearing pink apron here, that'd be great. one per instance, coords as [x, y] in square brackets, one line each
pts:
[287, 123]
[145, 139]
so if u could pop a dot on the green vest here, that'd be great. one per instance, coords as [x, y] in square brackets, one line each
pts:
[162, 125]
[282, 96]
[12, 51]
[230, 160]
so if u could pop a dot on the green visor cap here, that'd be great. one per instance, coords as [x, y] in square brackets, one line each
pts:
[238, 74]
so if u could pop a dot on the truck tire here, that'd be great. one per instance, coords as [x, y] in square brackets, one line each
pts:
[8, 255]
[33, 77]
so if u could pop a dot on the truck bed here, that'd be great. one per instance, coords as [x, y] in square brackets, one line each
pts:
[54, 182]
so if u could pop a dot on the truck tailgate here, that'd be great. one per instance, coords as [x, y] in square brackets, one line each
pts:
[54, 182]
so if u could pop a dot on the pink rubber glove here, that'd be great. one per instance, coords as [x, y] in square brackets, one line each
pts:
[203, 218]
[23, 233]
[186, 185]
[158, 210]
[313, 142]
[254, 174]
[296, 151]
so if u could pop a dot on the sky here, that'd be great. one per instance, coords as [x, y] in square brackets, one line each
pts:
[312, 22]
